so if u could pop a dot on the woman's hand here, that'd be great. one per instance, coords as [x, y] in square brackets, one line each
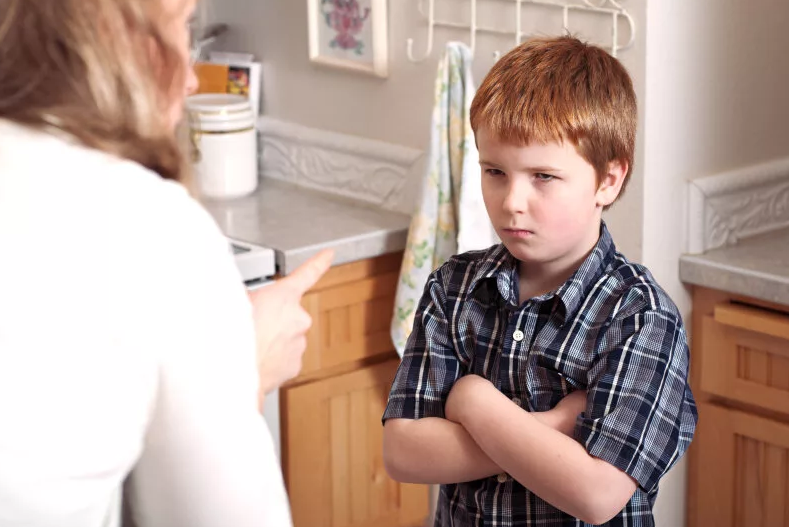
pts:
[281, 323]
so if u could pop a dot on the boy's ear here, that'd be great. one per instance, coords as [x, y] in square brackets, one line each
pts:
[612, 182]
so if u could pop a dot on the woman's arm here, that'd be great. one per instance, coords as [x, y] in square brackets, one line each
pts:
[207, 458]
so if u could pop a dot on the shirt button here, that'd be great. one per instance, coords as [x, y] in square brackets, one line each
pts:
[516, 401]
[502, 478]
[518, 335]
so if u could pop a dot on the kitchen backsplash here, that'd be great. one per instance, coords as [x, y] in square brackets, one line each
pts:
[727, 207]
[379, 173]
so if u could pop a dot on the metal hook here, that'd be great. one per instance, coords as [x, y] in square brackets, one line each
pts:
[473, 28]
[431, 23]
[631, 23]
[611, 7]
[615, 35]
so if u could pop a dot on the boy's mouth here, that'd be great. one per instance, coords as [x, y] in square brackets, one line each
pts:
[518, 233]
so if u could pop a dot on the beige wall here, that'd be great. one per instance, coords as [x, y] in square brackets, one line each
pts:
[723, 82]
[395, 109]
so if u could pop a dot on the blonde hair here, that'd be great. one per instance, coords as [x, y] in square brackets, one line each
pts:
[561, 89]
[100, 70]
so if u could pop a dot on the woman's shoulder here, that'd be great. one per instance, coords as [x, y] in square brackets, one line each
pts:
[97, 212]
[50, 159]
[139, 246]
[56, 177]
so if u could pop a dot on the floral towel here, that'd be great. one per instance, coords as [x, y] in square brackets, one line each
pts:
[451, 217]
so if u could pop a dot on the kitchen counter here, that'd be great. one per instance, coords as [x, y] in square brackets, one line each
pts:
[298, 222]
[757, 267]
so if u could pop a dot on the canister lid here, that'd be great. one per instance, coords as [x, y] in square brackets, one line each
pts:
[214, 102]
[219, 112]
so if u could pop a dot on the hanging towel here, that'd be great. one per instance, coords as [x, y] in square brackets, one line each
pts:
[451, 217]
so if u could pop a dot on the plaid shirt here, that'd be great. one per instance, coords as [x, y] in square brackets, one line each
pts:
[610, 330]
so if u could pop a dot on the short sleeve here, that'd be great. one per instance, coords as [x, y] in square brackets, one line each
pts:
[430, 365]
[640, 414]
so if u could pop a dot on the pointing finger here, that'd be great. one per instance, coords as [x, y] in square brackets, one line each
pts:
[308, 273]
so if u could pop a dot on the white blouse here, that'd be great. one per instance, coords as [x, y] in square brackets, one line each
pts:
[126, 344]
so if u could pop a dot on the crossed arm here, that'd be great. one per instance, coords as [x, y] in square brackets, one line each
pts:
[486, 434]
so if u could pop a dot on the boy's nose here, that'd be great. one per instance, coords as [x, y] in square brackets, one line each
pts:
[516, 198]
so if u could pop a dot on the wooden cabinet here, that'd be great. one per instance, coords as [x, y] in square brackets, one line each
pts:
[745, 469]
[331, 415]
[334, 467]
[739, 460]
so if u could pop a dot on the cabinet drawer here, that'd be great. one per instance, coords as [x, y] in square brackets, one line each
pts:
[745, 356]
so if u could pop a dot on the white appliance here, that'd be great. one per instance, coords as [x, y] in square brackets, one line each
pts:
[257, 264]
[258, 267]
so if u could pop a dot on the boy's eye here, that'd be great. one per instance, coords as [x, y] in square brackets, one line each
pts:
[494, 172]
[544, 177]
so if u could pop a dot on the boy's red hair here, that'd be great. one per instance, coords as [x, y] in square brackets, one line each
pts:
[561, 89]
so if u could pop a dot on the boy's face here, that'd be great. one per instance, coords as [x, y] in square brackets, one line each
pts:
[543, 199]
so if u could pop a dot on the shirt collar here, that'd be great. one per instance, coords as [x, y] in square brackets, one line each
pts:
[573, 292]
[493, 278]
[498, 276]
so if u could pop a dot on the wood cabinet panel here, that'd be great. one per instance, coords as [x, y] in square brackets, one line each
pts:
[350, 322]
[334, 461]
[743, 461]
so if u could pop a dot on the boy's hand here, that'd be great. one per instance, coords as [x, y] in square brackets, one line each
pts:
[472, 390]
[562, 417]
[468, 389]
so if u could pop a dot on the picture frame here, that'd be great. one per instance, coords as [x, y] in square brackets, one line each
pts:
[350, 34]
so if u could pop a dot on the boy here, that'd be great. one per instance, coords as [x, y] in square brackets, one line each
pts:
[501, 338]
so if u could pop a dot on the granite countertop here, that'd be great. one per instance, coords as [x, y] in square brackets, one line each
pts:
[756, 267]
[298, 222]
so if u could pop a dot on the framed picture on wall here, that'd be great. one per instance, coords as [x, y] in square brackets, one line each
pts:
[350, 34]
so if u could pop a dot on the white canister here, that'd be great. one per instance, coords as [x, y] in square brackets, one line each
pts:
[223, 134]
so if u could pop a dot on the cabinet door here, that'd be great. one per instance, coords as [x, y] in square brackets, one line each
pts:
[350, 322]
[743, 470]
[333, 458]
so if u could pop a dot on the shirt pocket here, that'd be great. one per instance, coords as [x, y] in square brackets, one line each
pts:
[553, 381]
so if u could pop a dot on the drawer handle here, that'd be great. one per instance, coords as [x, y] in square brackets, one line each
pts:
[753, 319]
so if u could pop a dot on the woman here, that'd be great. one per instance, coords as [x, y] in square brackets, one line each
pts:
[127, 342]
